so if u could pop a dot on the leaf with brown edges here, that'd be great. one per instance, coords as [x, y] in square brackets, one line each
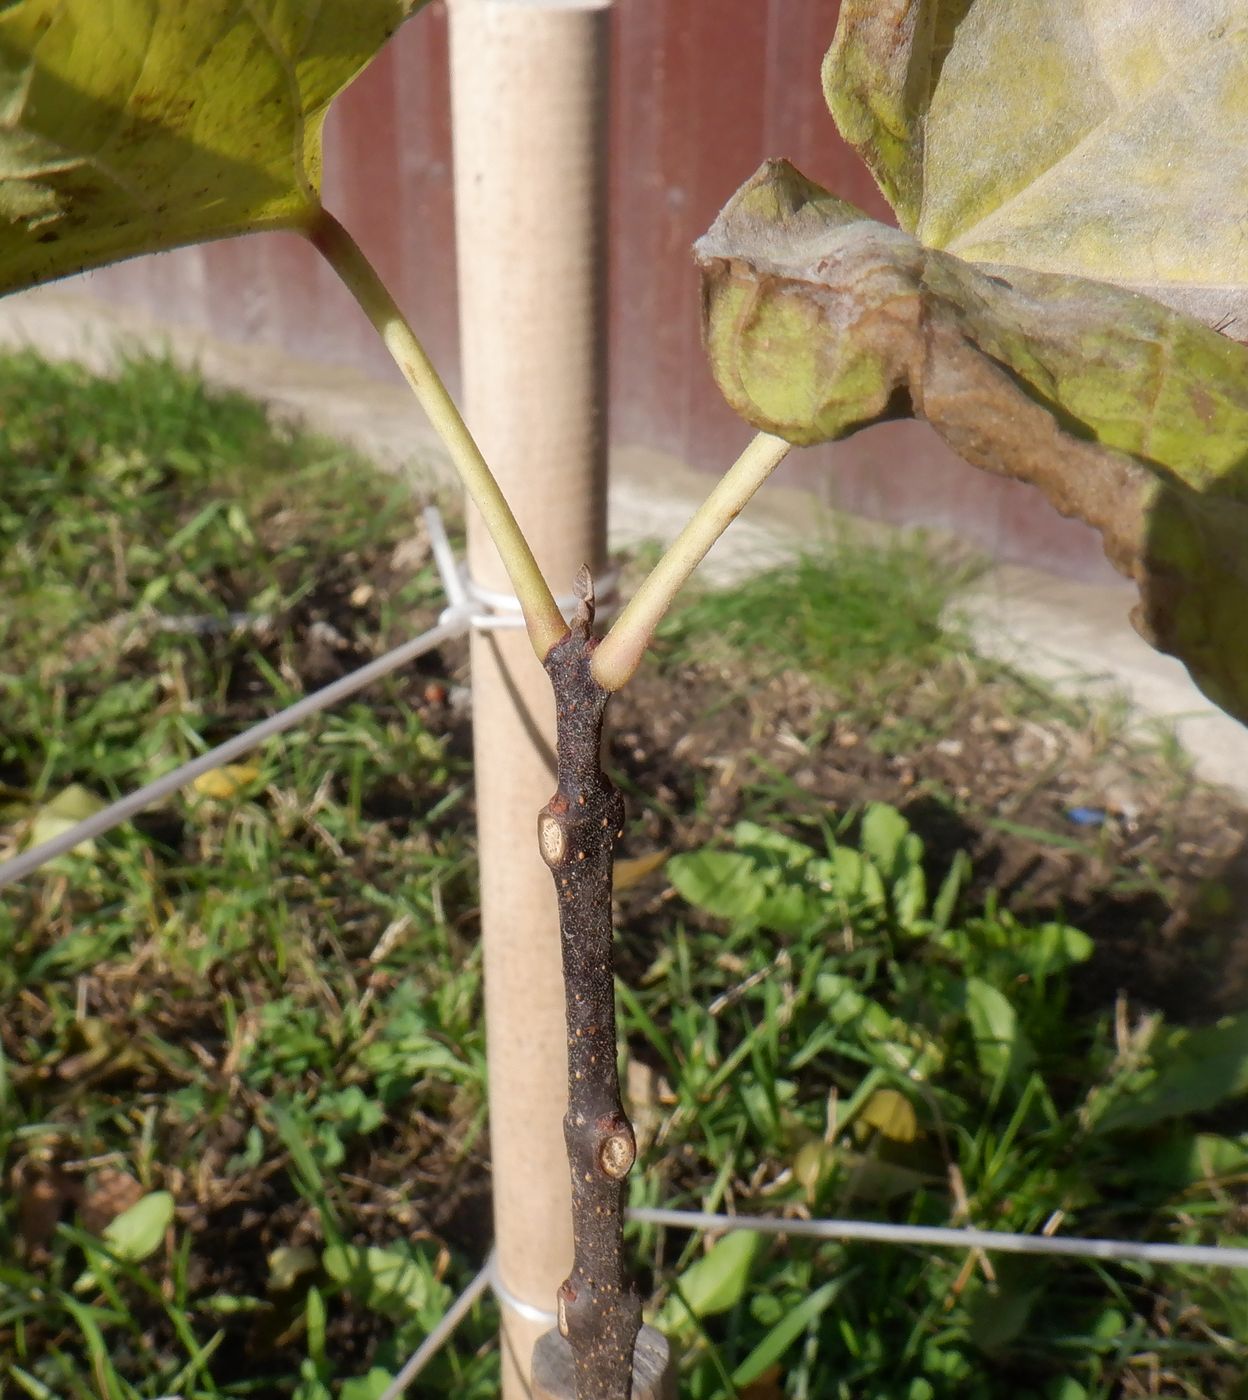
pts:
[1125, 413]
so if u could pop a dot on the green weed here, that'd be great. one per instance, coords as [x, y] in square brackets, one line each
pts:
[844, 1036]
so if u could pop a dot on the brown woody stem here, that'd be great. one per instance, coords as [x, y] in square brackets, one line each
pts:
[599, 1311]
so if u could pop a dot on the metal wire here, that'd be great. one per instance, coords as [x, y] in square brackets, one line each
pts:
[999, 1241]
[490, 610]
[469, 608]
[441, 1334]
[941, 1237]
[454, 624]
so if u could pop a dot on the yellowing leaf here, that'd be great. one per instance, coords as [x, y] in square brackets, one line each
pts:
[1123, 412]
[634, 870]
[62, 813]
[226, 782]
[1104, 140]
[131, 126]
[1047, 162]
[287, 1265]
[891, 1114]
[812, 1160]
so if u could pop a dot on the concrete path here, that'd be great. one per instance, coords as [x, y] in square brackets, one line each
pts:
[1071, 634]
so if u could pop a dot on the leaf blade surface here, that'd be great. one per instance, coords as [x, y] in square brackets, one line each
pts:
[133, 126]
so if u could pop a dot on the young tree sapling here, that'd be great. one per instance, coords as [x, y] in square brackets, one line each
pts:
[133, 128]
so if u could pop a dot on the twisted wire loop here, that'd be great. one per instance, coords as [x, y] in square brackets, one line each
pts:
[488, 610]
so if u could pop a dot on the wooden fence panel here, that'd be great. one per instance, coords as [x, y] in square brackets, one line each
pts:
[703, 91]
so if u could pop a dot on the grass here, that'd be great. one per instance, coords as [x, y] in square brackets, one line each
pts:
[836, 1036]
[241, 1057]
[861, 617]
[265, 1001]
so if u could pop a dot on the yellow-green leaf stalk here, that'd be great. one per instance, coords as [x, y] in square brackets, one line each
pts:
[541, 613]
[620, 652]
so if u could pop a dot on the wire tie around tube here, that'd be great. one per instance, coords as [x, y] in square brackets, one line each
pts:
[488, 610]
[529, 1311]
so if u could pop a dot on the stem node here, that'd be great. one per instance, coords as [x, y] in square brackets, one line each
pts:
[618, 1150]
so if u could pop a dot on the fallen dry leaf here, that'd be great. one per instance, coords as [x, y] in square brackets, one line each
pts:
[766, 1387]
[109, 1193]
[634, 870]
[43, 1193]
[226, 782]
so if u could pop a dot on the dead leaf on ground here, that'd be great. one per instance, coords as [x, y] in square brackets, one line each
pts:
[227, 781]
[766, 1387]
[109, 1193]
[43, 1192]
[634, 870]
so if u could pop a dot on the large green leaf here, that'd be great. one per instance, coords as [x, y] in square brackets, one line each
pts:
[1129, 415]
[713, 1283]
[724, 883]
[1104, 140]
[131, 126]
[1001, 1044]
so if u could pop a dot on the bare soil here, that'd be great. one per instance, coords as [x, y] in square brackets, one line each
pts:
[1055, 816]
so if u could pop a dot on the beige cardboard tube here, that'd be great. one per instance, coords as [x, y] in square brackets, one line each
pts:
[529, 123]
